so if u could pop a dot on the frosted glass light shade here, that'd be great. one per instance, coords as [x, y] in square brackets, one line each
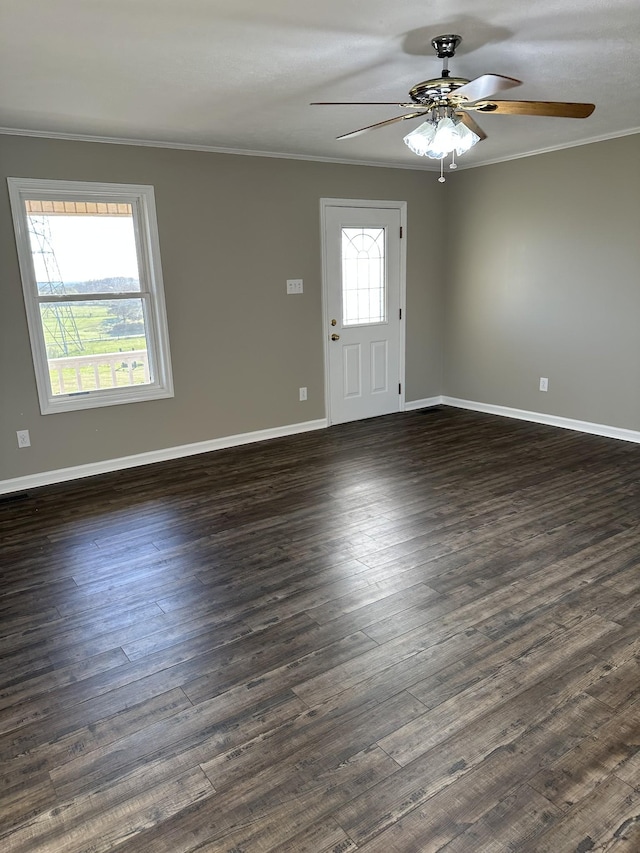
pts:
[437, 139]
[420, 139]
[466, 138]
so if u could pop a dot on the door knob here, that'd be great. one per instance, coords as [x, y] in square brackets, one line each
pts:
[335, 337]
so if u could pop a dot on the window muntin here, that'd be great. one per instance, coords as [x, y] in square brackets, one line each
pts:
[364, 296]
[90, 267]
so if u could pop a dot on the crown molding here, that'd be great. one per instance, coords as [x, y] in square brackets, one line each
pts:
[279, 155]
[604, 137]
[209, 149]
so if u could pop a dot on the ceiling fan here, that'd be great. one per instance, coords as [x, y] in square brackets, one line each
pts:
[446, 103]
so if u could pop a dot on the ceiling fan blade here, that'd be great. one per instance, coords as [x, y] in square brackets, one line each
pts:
[380, 124]
[560, 109]
[471, 124]
[485, 86]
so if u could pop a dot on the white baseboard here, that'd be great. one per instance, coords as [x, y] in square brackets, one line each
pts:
[549, 420]
[427, 403]
[61, 475]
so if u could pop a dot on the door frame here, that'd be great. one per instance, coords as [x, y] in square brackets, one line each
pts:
[400, 206]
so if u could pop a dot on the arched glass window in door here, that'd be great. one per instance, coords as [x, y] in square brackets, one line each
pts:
[364, 299]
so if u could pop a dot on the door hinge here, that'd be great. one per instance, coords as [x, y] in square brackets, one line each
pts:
[400, 314]
[401, 232]
[399, 388]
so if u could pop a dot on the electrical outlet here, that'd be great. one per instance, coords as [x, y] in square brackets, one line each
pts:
[23, 438]
[294, 285]
[544, 383]
[303, 394]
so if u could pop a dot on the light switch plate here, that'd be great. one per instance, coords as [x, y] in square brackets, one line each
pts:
[24, 439]
[294, 285]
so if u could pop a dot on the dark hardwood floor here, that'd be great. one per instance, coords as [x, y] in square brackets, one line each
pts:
[415, 633]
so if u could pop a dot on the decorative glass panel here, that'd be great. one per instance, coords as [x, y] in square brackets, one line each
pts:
[363, 276]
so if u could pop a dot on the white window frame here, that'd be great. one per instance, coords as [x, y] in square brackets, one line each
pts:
[142, 200]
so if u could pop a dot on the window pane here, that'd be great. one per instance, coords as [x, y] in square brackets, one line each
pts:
[82, 247]
[363, 276]
[95, 344]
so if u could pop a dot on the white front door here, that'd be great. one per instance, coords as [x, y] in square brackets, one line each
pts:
[363, 289]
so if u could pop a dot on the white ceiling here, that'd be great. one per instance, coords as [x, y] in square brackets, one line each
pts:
[239, 74]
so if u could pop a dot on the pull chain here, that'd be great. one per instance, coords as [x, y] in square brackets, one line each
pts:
[441, 179]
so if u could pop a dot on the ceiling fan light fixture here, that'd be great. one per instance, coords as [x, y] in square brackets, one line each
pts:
[466, 138]
[437, 138]
[420, 140]
[444, 102]
[445, 139]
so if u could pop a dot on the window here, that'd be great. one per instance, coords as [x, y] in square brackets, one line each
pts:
[363, 276]
[90, 264]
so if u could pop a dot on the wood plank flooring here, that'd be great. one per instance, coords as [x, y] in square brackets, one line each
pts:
[416, 633]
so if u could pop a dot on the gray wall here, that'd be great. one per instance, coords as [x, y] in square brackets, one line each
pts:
[232, 230]
[545, 281]
[542, 279]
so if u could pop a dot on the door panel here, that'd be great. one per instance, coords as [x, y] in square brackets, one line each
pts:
[362, 300]
[379, 367]
[352, 370]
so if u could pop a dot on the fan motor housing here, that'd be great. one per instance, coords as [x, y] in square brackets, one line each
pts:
[438, 89]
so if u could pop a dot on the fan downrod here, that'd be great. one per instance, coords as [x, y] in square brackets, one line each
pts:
[440, 88]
